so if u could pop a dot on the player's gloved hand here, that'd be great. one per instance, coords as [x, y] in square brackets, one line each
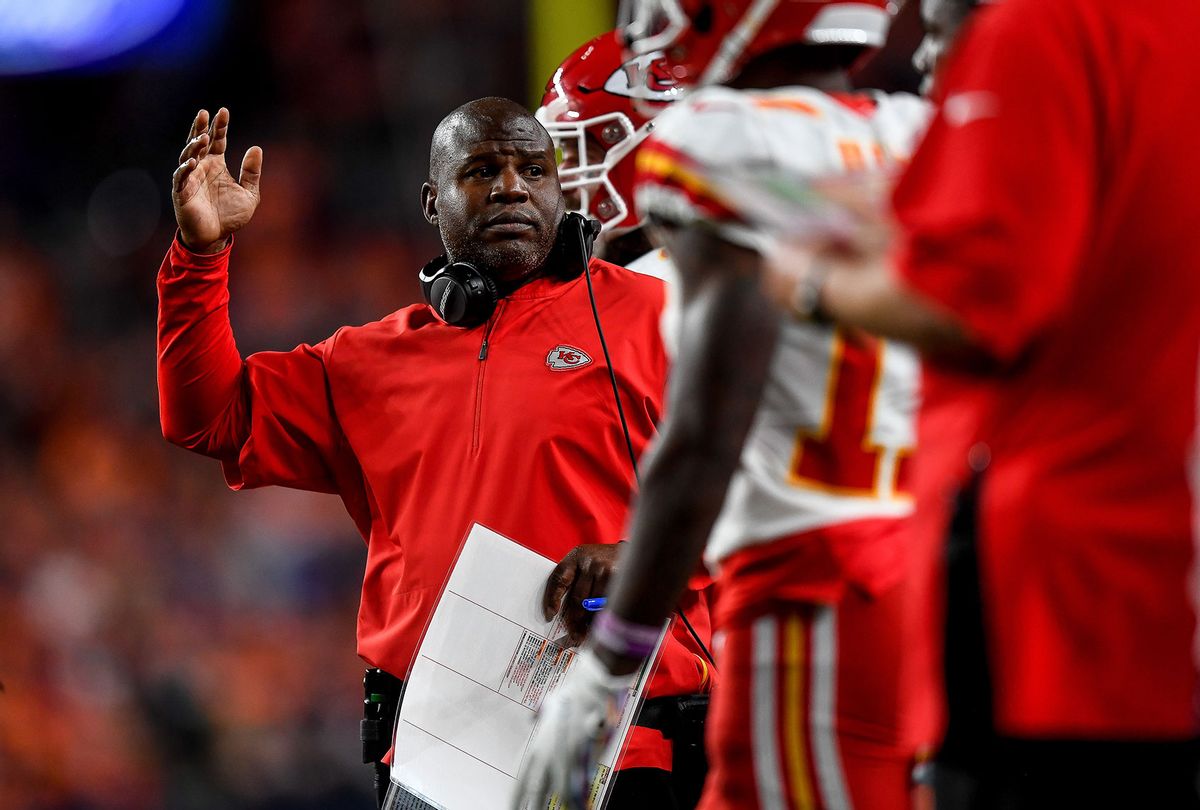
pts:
[575, 723]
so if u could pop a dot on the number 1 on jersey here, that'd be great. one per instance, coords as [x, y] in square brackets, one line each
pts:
[840, 456]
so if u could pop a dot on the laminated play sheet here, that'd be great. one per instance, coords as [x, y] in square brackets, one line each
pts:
[486, 662]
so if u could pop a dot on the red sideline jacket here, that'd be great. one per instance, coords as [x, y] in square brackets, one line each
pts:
[423, 429]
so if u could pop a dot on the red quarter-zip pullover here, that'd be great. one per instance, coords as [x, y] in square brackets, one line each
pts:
[424, 429]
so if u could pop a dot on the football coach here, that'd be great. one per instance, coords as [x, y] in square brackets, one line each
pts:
[489, 403]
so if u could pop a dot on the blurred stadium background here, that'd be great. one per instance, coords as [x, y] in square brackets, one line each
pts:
[165, 643]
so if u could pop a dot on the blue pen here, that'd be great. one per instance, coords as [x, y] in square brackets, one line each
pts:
[594, 604]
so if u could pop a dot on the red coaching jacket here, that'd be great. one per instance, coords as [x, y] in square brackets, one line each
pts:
[424, 429]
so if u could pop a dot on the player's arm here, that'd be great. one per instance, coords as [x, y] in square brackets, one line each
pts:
[728, 336]
[870, 297]
[862, 290]
[729, 330]
[997, 204]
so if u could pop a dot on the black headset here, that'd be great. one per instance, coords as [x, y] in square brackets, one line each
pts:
[462, 295]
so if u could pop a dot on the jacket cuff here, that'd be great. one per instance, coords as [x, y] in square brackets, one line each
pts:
[183, 256]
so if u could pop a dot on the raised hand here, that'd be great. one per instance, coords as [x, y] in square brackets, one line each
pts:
[209, 204]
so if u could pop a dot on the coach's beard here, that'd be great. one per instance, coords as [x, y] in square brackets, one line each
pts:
[506, 260]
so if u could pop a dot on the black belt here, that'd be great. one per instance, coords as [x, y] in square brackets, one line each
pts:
[678, 717]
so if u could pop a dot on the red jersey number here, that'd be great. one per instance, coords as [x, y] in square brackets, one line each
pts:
[839, 457]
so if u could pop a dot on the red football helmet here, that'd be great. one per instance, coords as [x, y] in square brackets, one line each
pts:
[598, 107]
[710, 40]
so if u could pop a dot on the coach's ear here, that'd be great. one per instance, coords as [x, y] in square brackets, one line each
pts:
[429, 203]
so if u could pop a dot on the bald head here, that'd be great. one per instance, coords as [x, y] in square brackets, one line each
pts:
[485, 119]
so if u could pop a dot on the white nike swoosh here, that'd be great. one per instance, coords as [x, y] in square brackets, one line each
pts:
[961, 109]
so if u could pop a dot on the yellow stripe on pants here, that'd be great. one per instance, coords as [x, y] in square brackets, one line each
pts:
[795, 662]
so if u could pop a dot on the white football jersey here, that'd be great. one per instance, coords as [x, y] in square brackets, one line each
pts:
[836, 420]
[658, 264]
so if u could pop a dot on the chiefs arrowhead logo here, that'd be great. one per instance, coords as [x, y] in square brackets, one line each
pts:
[647, 77]
[565, 358]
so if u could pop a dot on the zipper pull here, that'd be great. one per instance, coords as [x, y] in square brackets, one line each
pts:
[487, 331]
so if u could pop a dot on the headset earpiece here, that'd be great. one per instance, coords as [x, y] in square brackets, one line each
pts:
[463, 296]
[458, 293]
[573, 246]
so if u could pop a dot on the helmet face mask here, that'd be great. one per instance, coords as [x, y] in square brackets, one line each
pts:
[598, 108]
[592, 148]
[651, 25]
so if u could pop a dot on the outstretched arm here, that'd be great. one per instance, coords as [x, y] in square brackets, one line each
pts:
[996, 212]
[860, 289]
